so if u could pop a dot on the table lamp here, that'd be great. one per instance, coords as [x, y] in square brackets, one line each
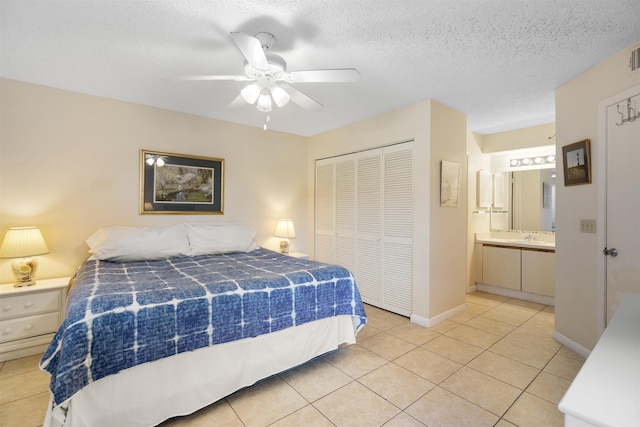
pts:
[23, 243]
[285, 230]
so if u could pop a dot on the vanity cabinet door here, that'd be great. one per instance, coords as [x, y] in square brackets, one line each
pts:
[501, 266]
[539, 271]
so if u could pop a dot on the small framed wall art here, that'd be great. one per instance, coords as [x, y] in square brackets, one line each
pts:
[173, 183]
[576, 161]
[449, 182]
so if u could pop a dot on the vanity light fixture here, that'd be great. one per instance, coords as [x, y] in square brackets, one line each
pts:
[157, 160]
[533, 161]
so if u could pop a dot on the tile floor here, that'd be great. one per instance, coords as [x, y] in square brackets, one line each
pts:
[493, 365]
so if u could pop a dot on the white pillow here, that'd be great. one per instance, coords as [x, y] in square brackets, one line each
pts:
[139, 243]
[220, 238]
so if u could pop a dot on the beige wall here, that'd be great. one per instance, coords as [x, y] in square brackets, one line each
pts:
[529, 137]
[438, 287]
[69, 163]
[579, 280]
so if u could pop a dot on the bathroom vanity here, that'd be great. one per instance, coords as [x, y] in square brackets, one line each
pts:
[516, 264]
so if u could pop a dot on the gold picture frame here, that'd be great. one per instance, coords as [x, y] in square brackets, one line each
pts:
[576, 160]
[173, 183]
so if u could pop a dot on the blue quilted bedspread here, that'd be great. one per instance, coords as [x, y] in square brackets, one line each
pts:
[124, 314]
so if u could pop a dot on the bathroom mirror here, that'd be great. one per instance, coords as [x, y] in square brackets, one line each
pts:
[529, 201]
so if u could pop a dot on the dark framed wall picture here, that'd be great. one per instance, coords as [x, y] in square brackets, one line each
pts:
[576, 159]
[173, 183]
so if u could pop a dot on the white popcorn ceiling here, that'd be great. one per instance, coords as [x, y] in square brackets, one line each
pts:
[497, 61]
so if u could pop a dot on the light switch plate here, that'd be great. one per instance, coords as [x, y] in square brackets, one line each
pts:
[587, 225]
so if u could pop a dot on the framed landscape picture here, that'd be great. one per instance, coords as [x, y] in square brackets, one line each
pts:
[180, 184]
[577, 163]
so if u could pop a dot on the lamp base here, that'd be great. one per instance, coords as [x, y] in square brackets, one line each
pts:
[284, 246]
[24, 284]
[24, 269]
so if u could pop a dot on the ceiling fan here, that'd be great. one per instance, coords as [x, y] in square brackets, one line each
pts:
[270, 80]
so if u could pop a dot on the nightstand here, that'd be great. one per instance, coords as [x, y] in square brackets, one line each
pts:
[30, 316]
[298, 255]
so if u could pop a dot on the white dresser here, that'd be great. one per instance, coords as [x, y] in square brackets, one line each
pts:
[606, 391]
[29, 316]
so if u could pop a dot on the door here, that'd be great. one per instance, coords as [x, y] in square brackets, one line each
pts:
[622, 201]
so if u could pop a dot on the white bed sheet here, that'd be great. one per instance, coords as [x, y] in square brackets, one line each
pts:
[148, 394]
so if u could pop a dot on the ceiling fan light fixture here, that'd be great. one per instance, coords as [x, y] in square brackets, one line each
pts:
[251, 93]
[280, 96]
[264, 101]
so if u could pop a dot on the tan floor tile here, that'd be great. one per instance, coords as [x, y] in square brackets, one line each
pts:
[387, 346]
[531, 411]
[486, 299]
[219, 414]
[367, 331]
[382, 319]
[453, 349]
[403, 420]
[529, 305]
[549, 387]
[504, 423]
[28, 412]
[490, 325]
[510, 371]
[463, 317]
[530, 354]
[307, 417]
[396, 384]
[368, 409]
[23, 385]
[428, 365]
[413, 333]
[444, 326]
[535, 337]
[493, 395]
[567, 352]
[355, 360]
[444, 409]
[315, 379]
[510, 314]
[476, 309]
[473, 336]
[266, 402]
[542, 321]
[565, 367]
[20, 366]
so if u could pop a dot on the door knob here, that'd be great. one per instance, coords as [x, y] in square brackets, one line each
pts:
[610, 252]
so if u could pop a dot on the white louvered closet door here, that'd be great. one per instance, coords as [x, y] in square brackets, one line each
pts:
[345, 212]
[325, 211]
[364, 222]
[397, 254]
[369, 223]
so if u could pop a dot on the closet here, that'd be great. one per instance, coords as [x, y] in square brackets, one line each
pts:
[364, 221]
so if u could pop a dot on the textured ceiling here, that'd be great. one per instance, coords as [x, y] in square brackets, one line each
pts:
[498, 61]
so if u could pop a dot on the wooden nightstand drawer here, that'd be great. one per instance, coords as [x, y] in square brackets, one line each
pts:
[31, 326]
[28, 304]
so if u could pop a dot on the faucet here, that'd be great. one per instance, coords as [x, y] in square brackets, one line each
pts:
[528, 237]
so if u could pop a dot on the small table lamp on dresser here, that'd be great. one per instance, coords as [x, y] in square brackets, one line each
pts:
[23, 243]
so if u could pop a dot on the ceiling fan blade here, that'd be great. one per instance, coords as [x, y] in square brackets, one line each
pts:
[251, 48]
[341, 75]
[301, 99]
[198, 78]
[236, 103]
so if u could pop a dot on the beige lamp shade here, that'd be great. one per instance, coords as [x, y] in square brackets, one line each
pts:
[23, 243]
[285, 230]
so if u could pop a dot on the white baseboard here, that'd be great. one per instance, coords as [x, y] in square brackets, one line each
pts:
[429, 322]
[571, 344]
[512, 293]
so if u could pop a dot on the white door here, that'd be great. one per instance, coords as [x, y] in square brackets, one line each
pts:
[623, 202]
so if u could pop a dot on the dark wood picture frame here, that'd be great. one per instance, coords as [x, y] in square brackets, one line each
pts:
[576, 160]
[173, 183]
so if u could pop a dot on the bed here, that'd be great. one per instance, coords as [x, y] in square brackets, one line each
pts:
[145, 340]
